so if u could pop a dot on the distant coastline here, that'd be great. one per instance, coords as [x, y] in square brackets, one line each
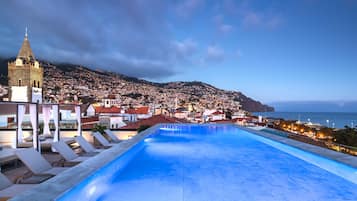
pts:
[330, 119]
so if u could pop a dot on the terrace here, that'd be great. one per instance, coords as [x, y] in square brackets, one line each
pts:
[122, 153]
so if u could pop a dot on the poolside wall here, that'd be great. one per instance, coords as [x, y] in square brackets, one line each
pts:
[8, 137]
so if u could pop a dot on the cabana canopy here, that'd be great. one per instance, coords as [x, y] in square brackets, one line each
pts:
[49, 112]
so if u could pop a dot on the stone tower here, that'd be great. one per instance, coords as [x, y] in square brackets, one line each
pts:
[25, 76]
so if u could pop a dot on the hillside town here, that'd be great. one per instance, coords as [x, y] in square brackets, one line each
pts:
[113, 99]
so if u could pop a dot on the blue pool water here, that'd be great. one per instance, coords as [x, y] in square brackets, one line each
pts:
[216, 163]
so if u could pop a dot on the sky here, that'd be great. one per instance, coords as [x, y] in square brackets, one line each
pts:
[271, 50]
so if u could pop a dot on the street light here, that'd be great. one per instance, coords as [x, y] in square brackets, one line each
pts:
[333, 124]
[328, 123]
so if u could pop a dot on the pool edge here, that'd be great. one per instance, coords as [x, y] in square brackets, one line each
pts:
[339, 157]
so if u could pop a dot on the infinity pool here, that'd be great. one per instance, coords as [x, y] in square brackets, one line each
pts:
[216, 163]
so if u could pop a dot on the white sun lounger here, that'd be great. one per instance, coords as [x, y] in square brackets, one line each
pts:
[112, 136]
[101, 139]
[36, 163]
[86, 146]
[8, 189]
[67, 153]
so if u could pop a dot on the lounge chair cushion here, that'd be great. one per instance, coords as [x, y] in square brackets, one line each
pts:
[55, 170]
[86, 146]
[33, 160]
[101, 139]
[15, 189]
[64, 150]
[80, 159]
[112, 136]
[4, 182]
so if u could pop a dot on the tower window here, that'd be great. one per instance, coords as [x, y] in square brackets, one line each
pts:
[34, 83]
[19, 83]
[38, 84]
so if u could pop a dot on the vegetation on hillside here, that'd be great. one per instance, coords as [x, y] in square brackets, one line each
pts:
[346, 136]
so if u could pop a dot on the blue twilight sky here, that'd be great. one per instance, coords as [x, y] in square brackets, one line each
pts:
[287, 50]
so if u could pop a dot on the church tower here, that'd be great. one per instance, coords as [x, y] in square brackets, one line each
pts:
[25, 76]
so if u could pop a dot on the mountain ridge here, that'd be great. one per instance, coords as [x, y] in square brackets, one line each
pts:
[65, 79]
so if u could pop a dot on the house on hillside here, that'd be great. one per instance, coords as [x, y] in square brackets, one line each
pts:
[181, 113]
[217, 116]
[111, 100]
[107, 115]
[142, 112]
[213, 115]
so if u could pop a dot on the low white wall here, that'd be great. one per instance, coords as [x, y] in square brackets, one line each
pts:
[124, 135]
[8, 137]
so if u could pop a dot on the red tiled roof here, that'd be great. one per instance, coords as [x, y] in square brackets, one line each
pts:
[217, 113]
[243, 118]
[152, 121]
[110, 97]
[223, 121]
[89, 119]
[139, 110]
[102, 109]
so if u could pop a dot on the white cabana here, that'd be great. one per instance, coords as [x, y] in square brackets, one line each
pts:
[29, 115]
[21, 109]
[46, 111]
[78, 116]
[55, 112]
[34, 123]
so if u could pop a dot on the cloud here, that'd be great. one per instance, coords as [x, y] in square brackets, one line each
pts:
[261, 19]
[274, 22]
[185, 49]
[214, 54]
[225, 28]
[221, 26]
[252, 19]
[130, 37]
[187, 8]
[247, 13]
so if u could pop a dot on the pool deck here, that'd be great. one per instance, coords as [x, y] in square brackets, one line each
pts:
[56, 186]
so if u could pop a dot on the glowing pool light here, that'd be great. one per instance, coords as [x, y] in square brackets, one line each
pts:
[91, 190]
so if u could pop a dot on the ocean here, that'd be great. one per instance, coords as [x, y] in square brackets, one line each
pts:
[330, 119]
